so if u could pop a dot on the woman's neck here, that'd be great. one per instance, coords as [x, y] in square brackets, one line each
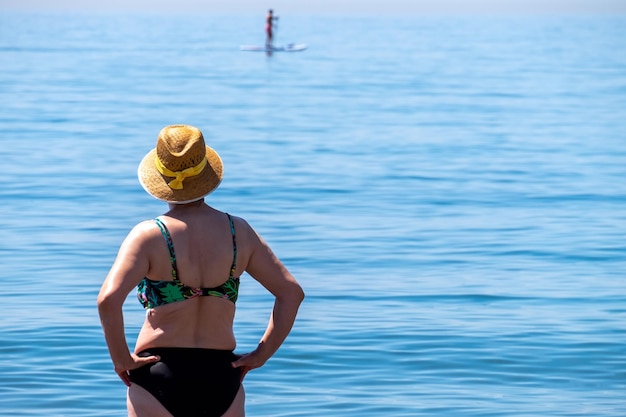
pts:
[186, 206]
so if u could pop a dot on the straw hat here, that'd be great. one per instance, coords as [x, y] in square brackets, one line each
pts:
[181, 168]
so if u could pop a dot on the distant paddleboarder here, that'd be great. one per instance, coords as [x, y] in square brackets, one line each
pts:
[269, 48]
[269, 28]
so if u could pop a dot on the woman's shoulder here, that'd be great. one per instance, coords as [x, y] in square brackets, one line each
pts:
[144, 231]
[240, 223]
[145, 226]
[243, 229]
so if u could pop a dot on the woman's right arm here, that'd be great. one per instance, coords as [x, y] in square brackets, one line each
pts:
[130, 266]
[270, 272]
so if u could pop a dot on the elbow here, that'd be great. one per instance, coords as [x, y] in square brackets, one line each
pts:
[293, 295]
[102, 300]
[106, 304]
[298, 294]
[103, 304]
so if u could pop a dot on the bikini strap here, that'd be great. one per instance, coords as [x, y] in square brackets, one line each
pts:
[170, 247]
[232, 232]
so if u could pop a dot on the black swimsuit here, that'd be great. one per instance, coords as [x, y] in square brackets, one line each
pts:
[190, 382]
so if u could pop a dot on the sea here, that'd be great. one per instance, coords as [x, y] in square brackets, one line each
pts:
[449, 190]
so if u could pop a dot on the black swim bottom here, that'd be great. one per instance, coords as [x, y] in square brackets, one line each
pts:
[190, 382]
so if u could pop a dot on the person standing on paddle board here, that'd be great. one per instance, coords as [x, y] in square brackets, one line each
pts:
[269, 28]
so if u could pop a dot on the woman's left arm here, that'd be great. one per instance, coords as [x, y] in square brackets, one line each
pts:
[130, 266]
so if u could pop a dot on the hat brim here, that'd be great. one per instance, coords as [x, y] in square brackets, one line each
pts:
[194, 188]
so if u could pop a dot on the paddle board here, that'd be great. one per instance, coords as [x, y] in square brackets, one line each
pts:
[290, 47]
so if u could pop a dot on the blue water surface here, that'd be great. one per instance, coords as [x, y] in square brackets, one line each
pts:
[449, 191]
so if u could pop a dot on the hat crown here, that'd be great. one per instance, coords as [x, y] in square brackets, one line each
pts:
[180, 147]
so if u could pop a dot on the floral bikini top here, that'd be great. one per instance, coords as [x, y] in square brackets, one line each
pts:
[157, 293]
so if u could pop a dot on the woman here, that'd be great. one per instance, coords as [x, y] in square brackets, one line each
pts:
[269, 28]
[186, 266]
